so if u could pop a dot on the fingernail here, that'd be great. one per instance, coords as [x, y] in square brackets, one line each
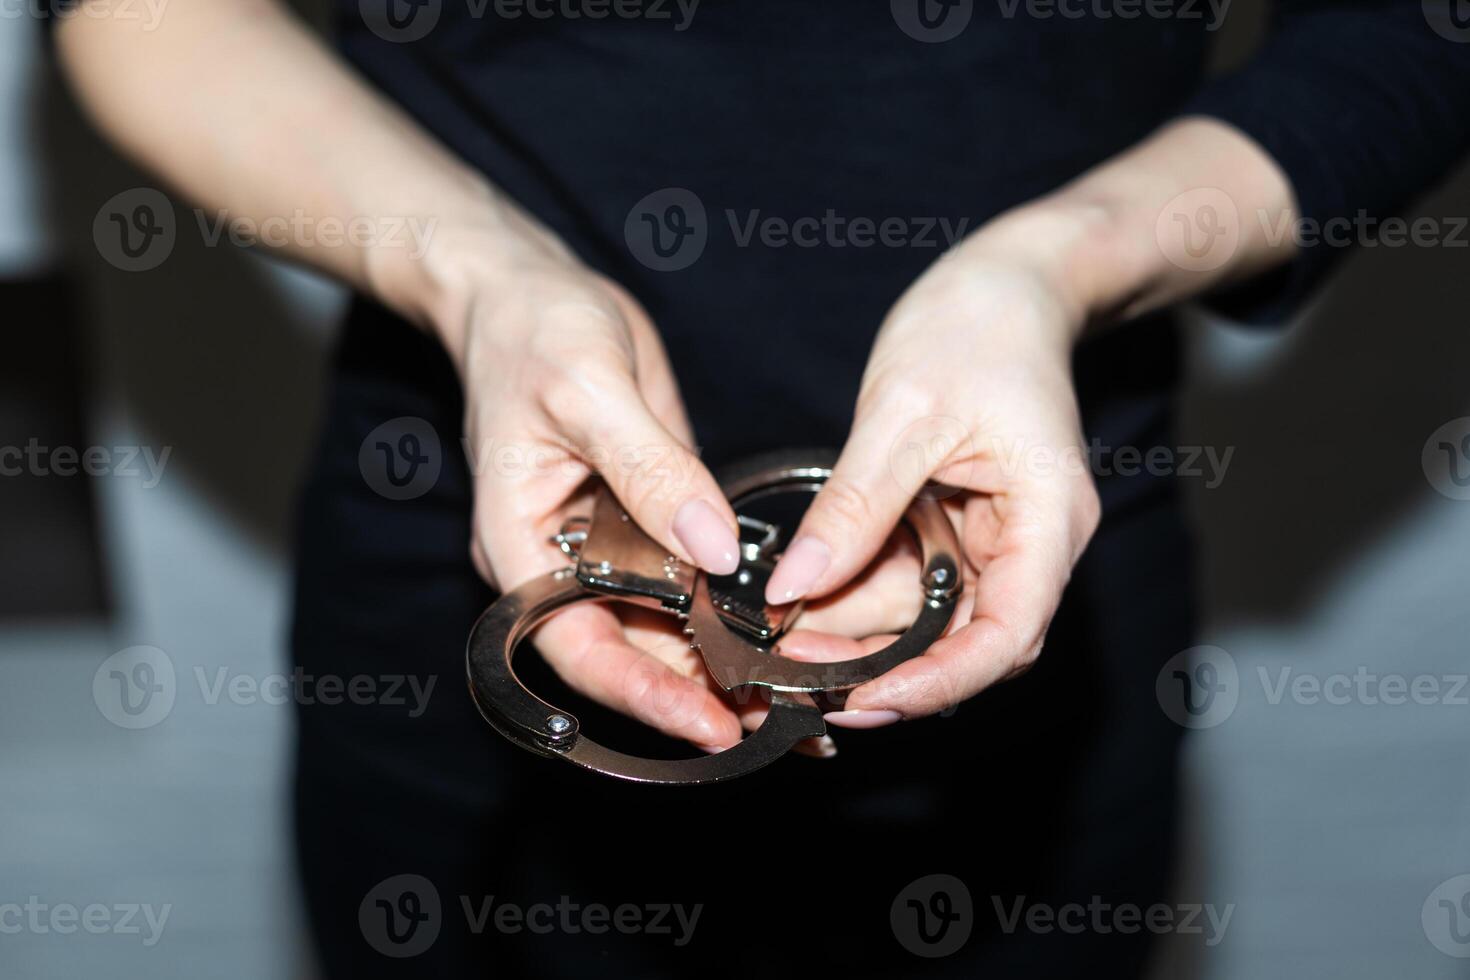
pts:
[862, 719]
[822, 748]
[798, 570]
[707, 537]
[711, 749]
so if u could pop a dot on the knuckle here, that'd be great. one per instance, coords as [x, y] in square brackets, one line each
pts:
[646, 497]
[901, 396]
[845, 505]
[583, 394]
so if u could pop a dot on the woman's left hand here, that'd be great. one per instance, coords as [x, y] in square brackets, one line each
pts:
[969, 385]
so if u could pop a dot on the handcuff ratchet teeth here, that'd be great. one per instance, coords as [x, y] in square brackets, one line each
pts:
[728, 620]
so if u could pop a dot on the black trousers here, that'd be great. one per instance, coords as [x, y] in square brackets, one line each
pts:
[430, 846]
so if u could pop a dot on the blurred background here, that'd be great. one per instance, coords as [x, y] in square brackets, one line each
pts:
[187, 389]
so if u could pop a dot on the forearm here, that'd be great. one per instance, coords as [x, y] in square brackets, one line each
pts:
[1110, 244]
[238, 106]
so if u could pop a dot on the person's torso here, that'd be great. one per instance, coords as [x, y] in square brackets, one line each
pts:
[768, 176]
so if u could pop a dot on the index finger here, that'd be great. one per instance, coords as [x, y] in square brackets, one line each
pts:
[1014, 601]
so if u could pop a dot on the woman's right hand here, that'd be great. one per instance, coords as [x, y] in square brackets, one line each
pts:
[565, 379]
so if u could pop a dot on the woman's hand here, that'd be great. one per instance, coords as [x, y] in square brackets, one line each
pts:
[968, 385]
[565, 379]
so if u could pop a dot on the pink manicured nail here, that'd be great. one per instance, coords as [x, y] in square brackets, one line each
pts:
[862, 719]
[798, 570]
[707, 537]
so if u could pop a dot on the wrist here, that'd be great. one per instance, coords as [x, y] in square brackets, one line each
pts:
[1073, 249]
[476, 256]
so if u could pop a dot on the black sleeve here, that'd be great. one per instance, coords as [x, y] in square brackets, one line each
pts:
[1363, 105]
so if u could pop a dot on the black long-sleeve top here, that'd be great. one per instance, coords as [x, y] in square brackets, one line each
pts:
[704, 121]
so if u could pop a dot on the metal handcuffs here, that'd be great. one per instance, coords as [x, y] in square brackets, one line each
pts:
[727, 620]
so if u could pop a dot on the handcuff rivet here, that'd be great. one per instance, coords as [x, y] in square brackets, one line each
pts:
[559, 724]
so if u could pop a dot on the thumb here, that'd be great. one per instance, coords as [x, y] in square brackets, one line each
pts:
[663, 485]
[851, 517]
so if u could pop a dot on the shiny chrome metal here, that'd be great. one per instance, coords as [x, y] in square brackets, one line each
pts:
[734, 662]
[554, 732]
[731, 624]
